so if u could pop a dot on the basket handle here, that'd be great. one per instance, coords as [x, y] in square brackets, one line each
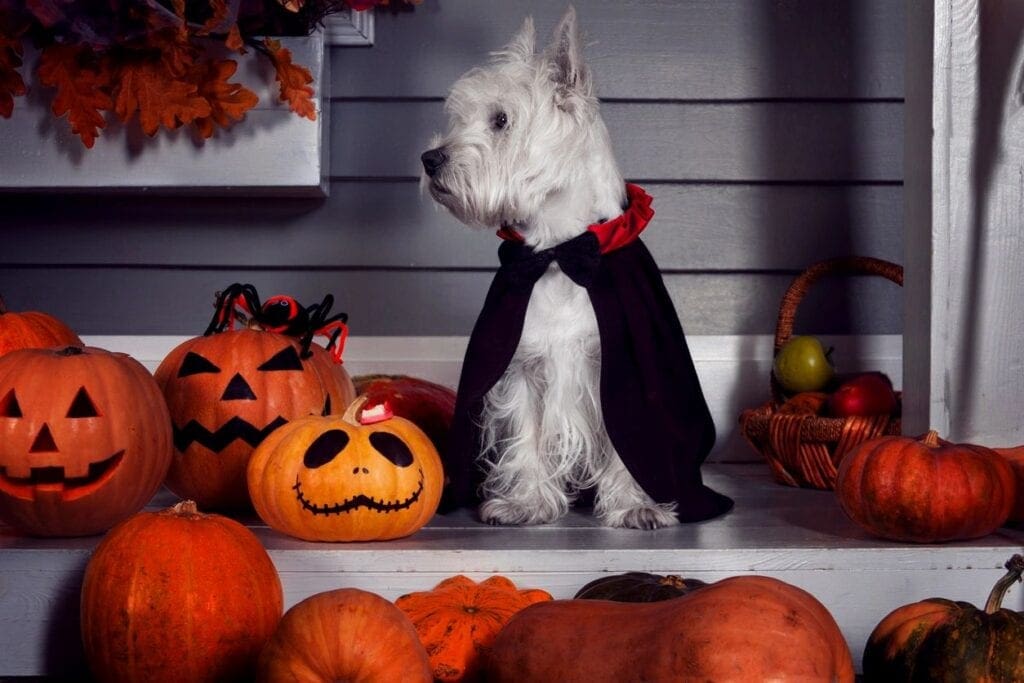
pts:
[846, 265]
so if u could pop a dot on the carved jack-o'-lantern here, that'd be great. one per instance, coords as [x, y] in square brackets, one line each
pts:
[343, 479]
[85, 439]
[227, 392]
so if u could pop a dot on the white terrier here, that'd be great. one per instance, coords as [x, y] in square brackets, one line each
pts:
[528, 152]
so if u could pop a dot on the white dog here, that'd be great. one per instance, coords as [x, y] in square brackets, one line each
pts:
[528, 152]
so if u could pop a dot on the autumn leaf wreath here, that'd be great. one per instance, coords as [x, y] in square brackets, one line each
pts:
[162, 61]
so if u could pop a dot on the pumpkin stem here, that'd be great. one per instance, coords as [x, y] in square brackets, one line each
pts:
[1015, 567]
[352, 413]
[71, 351]
[185, 507]
[931, 439]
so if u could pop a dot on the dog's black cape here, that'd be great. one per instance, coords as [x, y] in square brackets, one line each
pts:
[653, 406]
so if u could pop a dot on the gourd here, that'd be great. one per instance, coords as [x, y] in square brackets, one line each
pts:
[925, 490]
[344, 635]
[458, 620]
[178, 595]
[746, 628]
[637, 587]
[945, 640]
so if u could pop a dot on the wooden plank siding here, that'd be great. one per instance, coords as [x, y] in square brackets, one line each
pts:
[770, 135]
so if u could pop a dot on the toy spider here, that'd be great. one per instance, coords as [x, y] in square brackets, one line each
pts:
[281, 314]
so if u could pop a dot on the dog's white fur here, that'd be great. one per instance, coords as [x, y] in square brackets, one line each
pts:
[549, 172]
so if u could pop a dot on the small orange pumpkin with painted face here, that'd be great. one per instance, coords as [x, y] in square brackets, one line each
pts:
[346, 479]
[85, 439]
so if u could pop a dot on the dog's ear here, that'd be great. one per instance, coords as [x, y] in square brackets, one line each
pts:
[565, 54]
[522, 45]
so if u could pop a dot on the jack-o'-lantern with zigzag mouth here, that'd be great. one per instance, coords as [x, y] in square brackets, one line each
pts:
[363, 476]
[227, 391]
[85, 439]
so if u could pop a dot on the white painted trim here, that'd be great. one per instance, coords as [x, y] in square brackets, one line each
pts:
[350, 29]
[733, 369]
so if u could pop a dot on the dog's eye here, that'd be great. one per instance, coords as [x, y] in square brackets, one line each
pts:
[500, 120]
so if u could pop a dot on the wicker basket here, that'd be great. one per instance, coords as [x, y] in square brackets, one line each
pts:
[805, 449]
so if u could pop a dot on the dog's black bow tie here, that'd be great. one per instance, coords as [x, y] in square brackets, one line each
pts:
[578, 258]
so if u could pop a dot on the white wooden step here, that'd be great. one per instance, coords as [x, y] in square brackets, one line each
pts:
[800, 536]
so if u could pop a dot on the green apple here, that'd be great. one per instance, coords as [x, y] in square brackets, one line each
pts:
[802, 364]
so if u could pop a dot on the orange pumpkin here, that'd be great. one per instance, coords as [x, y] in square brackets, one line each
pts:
[228, 391]
[430, 406]
[925, 490]
[344, 635]
[346, 479]
[1015, 456]
[747, 628]
[85, 439]
[178, 596]
[33, 330]
[459, 619]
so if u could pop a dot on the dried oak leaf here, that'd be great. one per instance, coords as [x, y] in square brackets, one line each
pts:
[234, 40]
[159, 96]
[228, 101]
[11, 83]
[294, 80]
[83, 85]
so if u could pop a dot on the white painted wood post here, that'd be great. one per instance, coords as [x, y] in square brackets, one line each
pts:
[964, 321]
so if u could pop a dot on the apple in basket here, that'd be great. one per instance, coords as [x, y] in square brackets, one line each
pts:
[868, 393]
[802, 364]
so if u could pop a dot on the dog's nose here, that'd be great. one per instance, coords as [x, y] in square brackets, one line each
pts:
[433, 160]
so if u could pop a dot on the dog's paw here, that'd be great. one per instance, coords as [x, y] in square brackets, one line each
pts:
[643, 517]
[501, 512]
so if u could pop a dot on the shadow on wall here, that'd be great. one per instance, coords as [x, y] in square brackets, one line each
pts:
[999, 95]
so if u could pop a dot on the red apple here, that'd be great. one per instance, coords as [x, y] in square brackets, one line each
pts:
[870, 393]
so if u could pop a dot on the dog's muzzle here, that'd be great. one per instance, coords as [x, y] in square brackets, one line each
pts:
[433, 160]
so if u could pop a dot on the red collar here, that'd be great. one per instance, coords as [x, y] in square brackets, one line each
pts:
[619, 231]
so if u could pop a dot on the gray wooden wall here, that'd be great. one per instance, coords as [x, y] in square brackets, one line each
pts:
[769, 132]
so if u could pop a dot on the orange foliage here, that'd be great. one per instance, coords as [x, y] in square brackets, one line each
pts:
[11, 83]
[228, 101]
[294, 80]
[82, 84]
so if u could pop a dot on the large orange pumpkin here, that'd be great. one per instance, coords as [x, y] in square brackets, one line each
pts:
[228, 391]
[33, 330]
[344, 635]
[950, 641]
[459, 619]
[346, 478]
[177, 596]
[925, 490]
[747, 628]
[85, 439]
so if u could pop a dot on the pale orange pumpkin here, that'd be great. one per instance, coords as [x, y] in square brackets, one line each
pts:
[335, 479]
[344, 635]
[33, 330]
[226, 392]
[459, 619]
[745, 628]
[177, 595]
[85, 439]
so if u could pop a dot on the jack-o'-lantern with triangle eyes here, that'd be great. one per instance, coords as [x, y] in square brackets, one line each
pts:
[363, 476]
[228, 390]
[85, 439]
